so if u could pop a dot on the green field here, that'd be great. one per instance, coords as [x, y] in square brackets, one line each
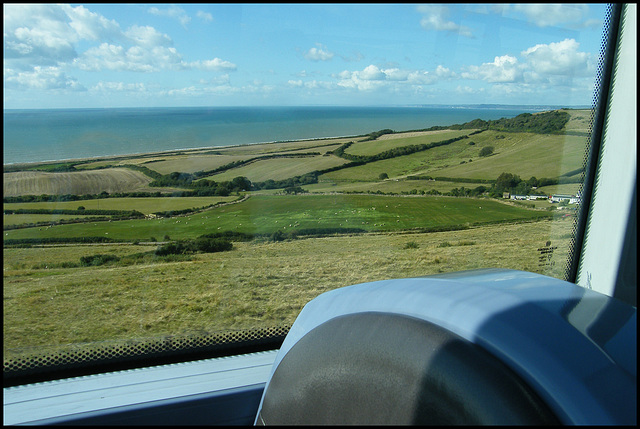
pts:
[279, 169]
[264, 214]
[143, 205]
[523, 154]
[18, 219]
[392, 141]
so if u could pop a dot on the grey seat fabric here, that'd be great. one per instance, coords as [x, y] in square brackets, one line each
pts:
[382, 368]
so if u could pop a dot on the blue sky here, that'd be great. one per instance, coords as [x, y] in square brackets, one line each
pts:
[146, 55]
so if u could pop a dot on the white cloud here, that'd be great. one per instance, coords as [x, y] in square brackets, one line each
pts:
[318, 54]
[215, 64]
[444, 73]
[468, 90]
[561, 58]
[541, 68]
[147, 36]
[89, 25]
[174, 12]
[371, 72]
[37, 33]
[40, 36]
[547, 14]
[48, 78]
[394, 74]
[436, 18]
[205, 16]
[503, 69]
[119, 87]
[373, 77]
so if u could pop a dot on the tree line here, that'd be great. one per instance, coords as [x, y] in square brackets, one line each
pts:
[395, 152]
[79, 211]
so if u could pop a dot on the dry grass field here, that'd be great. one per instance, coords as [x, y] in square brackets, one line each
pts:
[76, 182]
[257, 284]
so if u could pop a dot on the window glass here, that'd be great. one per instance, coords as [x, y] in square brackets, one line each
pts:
[176, 171]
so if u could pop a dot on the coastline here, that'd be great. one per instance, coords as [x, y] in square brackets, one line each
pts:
[171, 151]
[47, 136]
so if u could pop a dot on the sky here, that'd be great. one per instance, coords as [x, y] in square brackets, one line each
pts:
[164, 55]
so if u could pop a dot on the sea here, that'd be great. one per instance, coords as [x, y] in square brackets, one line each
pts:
[61, 134]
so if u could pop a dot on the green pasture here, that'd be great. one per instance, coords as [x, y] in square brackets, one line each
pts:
[191, 164]
[393, 186]
[18, 219]
[264, 214]
[524, 154]
[392, 141]
[565, 188]
[279, 168]
[580, 120]
[429, 160]
[143, 205]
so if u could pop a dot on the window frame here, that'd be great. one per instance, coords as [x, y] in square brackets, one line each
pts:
[624, 244]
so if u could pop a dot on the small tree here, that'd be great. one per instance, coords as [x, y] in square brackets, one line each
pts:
[383, 176]
[486, 151]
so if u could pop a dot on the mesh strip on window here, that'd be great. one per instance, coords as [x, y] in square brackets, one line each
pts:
[599, 100]
[34, 363]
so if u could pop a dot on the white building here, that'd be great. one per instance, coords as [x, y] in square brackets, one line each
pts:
[572, 199]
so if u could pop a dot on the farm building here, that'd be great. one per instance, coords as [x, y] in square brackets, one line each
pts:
[573, 199]
[527, 197]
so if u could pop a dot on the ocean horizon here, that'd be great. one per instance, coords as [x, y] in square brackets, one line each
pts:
[42, 135]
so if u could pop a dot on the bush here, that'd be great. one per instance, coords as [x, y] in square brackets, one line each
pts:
[95, 260]
[486, 151]
[277, 236]
[210, 245]
[200, 244]
[411, 245]
[170, 249]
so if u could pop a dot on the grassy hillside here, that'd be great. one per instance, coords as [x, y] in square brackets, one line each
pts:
[524, 154]
[279, 168]
[392, 141]
[257, 284]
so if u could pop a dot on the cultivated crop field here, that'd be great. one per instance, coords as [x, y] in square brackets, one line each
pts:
[76, 182]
